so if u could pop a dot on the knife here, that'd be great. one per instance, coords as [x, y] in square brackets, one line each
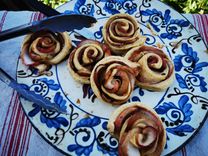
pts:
[30, 95]
[57, 23]
[48, 11]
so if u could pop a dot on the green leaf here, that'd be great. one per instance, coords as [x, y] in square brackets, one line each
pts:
[189, 6]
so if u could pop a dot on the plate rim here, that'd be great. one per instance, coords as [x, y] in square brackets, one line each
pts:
[169, 154]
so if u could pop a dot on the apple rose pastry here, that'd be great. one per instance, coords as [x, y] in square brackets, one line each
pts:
[83, 59]
[138, 129]
[157, 70]
[113, 79]
[44, 48]
[121, 33]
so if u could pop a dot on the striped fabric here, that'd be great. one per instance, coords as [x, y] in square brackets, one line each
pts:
[15, 136]
[15, 128]
[201, 24]
[3, 19]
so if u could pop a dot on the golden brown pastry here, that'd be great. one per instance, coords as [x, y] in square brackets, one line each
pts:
[121, 33]
[44, 48]
[137, 128]
[157, 70]
[113, 79]
[83, 59]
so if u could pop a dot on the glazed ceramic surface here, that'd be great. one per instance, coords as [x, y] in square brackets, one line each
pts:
[182, 107]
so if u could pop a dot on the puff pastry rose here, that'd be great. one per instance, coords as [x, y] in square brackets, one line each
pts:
[113, 79]
[83, 59]
[138, 129]
[157, 70]
[44, 48]
[121, 33]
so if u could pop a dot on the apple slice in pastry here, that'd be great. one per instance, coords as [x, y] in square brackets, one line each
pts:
[121, 33]
[83, 59]
[137, 127]
[157, 69]
[44, 48]
[113, 79]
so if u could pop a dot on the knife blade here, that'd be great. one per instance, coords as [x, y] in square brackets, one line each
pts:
[57, 23]
[30, 95]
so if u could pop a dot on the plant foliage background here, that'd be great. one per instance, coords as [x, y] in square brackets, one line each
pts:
[189, 6]
[54, 3]
[182, 6]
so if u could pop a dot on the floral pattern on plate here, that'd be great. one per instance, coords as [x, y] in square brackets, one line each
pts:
[84, 131]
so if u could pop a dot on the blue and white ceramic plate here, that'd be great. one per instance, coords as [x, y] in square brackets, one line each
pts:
[182, 107]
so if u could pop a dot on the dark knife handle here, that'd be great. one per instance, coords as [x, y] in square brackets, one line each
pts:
[15, 32]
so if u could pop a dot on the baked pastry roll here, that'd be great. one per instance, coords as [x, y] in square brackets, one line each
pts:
[138, 129]
[44, 48]
[121, 32]
[157, 70]
[113, 79]
[83, 59]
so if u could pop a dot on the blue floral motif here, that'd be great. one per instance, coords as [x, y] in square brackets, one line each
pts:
[136, 98]
[85, 136]
[150, 39]
[115, 6]
[174, 29]
[190, 81]
[176, 117]
[157, 20]
[56, 122]
[98, 34]
[51, 119]
[50, 83]
[88, 122]
[181, 81]
[88, 92]
[82, 8]
[112, 147]
[43, 85]
[58, 99]
[189, 62]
